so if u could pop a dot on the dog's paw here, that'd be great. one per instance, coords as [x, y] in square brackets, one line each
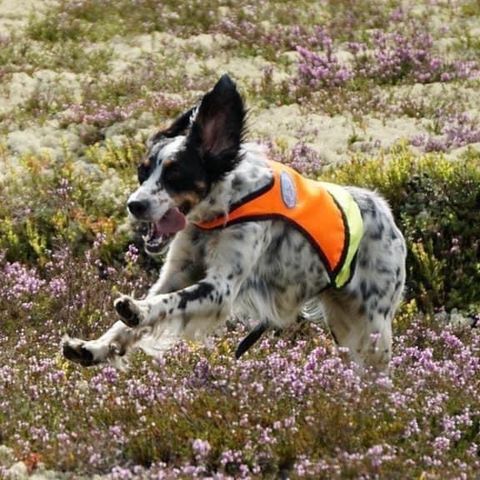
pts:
[75, 350]
[129, 311]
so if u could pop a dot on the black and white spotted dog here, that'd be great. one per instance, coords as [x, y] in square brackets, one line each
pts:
[195, 170]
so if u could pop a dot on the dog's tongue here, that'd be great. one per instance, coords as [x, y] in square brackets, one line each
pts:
[173, 221]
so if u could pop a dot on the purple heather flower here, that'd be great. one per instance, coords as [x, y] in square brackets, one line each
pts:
[201, 448]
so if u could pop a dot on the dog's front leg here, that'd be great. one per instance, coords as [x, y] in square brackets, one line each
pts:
[182, 267]
[208, 297]
[111, 346]
[177, 272]
[196, 308]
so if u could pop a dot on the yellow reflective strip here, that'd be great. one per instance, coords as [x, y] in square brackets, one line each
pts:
[355, 227]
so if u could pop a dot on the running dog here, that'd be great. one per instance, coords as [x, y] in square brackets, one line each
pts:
[252, 237]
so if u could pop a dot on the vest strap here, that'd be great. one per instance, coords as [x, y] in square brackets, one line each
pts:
[326, 214]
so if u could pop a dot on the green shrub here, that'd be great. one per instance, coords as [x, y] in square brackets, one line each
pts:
[57, 202]
[436, 203]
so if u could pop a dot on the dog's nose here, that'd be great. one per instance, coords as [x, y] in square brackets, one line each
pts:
[137, 207]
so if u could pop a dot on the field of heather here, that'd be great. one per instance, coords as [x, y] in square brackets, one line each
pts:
[377, 93]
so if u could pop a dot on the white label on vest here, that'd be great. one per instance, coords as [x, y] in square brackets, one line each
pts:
[289, 195]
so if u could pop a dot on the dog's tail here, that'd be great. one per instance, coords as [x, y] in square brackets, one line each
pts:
[252, 337]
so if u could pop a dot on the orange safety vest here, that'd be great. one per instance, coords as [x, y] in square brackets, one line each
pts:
[325, 213]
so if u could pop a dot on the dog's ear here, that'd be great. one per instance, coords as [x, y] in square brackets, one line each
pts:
[217, 131]
[179, 126]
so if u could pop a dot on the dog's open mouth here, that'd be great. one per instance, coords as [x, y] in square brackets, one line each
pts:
[160, 232]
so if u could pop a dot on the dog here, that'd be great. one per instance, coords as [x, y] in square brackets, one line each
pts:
[270, 268]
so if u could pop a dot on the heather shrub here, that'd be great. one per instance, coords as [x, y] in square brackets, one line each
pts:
[20, 54]
[350, 18]
[197, 412]
[385, 58]
[293, 406]
[47, 202]
[393, 57]
[101, 20]
[436, 203]
[66, 291]
[449, 131]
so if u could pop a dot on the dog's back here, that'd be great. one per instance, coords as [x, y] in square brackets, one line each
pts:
[290, 278]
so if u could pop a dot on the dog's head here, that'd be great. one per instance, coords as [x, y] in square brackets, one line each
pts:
[185, 161]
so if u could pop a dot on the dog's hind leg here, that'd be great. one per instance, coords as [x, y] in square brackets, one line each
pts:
[367, 337]
[360, 314]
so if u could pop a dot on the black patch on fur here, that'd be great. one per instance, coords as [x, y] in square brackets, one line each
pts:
[196, 235]
[145, 169]
[363, 262]
[237, 183]
[374, 290]
[79, 355]
[176, 128]
[185, 176]
[238, 235]
[128, 316]
[378, 234]
[370, 206]
[258, 285]
[364, 290]
[199, 291]
[237, 269]
[384, 311]
[276, 243]
[383, 270]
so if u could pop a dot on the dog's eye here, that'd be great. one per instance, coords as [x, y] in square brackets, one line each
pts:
[146, 167]
[143, 172]
[173, 176]
[173, 172]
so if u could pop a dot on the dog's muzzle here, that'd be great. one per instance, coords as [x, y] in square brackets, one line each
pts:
[161, 231]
